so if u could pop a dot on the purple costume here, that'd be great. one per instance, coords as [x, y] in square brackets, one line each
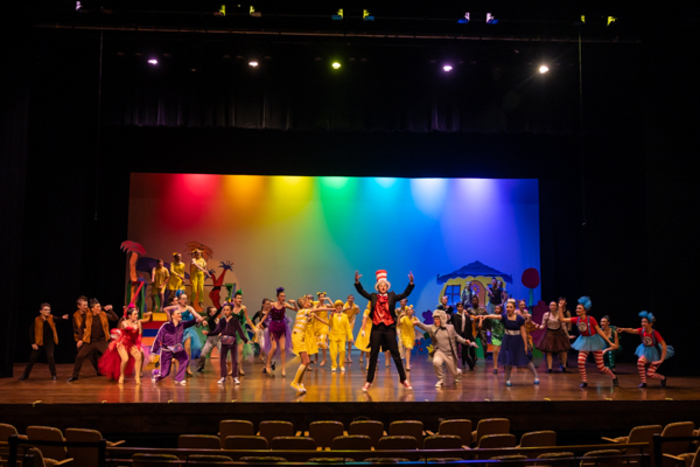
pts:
[169, 336]
[278, 328]
[230, 327]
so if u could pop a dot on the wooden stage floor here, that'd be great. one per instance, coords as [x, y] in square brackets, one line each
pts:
[197, 407]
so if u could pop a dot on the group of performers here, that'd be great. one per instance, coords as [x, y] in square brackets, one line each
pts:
[321, 325]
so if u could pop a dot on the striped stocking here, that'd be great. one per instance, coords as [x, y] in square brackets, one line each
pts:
[582, 356]
[598, 357]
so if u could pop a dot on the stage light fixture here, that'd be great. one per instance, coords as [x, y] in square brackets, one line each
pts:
[367, 16]
[336, 65]
[153, 61]
[490, 19]
[543, 69]
[253, 64]
[447, 68]
[338, 16]
[464, 20]
[611, 19]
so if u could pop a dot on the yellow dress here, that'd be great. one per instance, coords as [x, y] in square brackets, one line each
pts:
[174, 282]
[197, 280]
[362, 343]
[351, 314]
[408, 336]
[321, 330]
[159, 279]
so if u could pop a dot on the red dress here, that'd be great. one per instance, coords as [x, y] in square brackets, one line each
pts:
[110, 362]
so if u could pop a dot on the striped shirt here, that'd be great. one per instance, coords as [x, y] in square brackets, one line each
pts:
[302, 320]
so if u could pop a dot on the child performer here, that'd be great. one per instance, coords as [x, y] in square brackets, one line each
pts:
[339, 334]
[159, 280]
[168, 343]
[529, 326]
[262, 333]
[351, 310]
[304, 339]
[611, 331]
[443, 336]
[321, 330]
[43, 336]
[555, 340]
[176, 279]
[590, 340]
[212, 340]
[241, 313]
[279, 331]
[190, 339]
[408, 336]
[229, 327]
[197, 272]
[497, 333]
[648, 351]
[124, 352]
[514, 351]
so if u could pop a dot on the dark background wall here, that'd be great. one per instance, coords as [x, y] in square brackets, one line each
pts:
[617, 203]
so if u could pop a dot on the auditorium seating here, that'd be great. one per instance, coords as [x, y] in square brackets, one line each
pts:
[85, 457]
[270, 429]
[198, 442]
[47, 433]
[352, 443]
[408, 428]
[538, 438]
[234, 428]
[372, 428]
[246, 442]
[461, 428]
[325, 431]
[490, 426]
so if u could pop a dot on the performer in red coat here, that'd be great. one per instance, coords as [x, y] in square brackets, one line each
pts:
[382, 306]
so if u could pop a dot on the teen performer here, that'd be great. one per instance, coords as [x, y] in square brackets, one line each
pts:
[191, 340]
[43, 336]
[480, 332]
[279, 331]
[197, 273]
[321, 330]
[339, 334]
[400, 313]
[652, 351]
[176, 278]
[229, 327]
[262, 333]
[609, 354]
[168, 343]
[443, 336]
[78, 320]
[590, 340]
[383, 316]
[351, 310]
[94, 334]
[304, 339]
[124, 352]
[240, 312]
[497, 333]
[495, 296]
[514, 351]
[463, 327]
[159, 281]
[212, 340]
[555, 340]
[445, 307]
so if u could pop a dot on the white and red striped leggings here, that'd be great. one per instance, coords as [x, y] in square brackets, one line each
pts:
[651, 372]
[598, 356]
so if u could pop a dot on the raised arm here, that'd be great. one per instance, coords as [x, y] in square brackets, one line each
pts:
[359, 288]
[408, 290]
[111, 315]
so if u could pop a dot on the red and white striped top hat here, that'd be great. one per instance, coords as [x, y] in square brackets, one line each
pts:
[381, 277]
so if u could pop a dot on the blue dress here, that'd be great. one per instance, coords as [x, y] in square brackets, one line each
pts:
[650, 347]
[191, 333]
[588, 340]
[513, 348]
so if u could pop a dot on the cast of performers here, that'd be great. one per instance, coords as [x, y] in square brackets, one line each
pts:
[383, 317]
[352, 310]
[229, 327]
[555, 340]
[240, 312]
[94, 334]
[124, 353]
[43, 336]
[479, 331]
[78, 319]
[340, 333]
[610, 354]
[514, 346]
[176, 279]
[197, 273]
[212, 340]
[590, 340]
[497, 332]
[463, 327]
[280, 336]
[168, 343]
[496, 296]
[443, 336]
[652, 351]
[159, 281]
[321, 330]
[190, 339]
[304, 339]
[407, 337]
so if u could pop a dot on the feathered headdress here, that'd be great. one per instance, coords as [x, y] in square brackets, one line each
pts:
[586, 302]
[647, 315]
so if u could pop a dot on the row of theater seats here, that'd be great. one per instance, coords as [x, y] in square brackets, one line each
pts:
[362, 435]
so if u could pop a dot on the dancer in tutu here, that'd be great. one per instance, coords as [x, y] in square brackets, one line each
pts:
[591, 339]
[555, 341]
[212, 340]
[190, 339]
[351, 310]
[383, 317]
[124, 353]
[279, 331]
[304, 339]
[514, 348]
[339, 334]
[229, 327]
[610, 354]
[168, 343]
[652, 351]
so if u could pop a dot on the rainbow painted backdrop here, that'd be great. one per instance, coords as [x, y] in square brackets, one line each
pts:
[310, 234]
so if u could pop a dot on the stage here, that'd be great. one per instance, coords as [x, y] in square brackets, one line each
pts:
[165, 409]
